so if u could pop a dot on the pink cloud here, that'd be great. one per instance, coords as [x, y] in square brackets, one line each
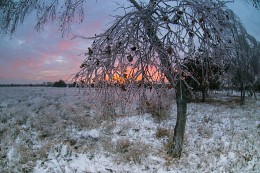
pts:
[27, 63]
[43, 68]
[2, 71]
[65, 45]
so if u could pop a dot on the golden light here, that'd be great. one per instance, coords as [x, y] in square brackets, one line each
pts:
[119, 79]
[132, 74]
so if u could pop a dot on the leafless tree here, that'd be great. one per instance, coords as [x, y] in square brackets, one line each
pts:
[243, 55]
[149, 44]
[146, 45]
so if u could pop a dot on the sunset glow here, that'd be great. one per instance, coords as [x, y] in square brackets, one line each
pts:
[151, 74]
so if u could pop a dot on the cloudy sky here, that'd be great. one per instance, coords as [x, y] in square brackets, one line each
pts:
[35, 57]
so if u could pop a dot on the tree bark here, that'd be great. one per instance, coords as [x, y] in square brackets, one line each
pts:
[179, 130]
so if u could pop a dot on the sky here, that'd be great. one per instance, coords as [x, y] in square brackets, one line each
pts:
[35, 57]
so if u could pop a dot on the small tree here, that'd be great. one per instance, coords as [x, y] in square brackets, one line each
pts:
[59, 83]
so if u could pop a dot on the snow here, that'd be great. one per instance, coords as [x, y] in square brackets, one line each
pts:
[58, 130]
[12, 155]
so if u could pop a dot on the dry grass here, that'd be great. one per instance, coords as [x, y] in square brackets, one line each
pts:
[99, 118]
[162, 132]
[158, 103]
[129, 152]
[107, 144]
[205, 131]
[108, 127]
[84, 121]
[158, 110]
[231, 102]
[168, 145]
[122, 146]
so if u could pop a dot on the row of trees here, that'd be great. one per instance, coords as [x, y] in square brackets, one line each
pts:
[60, 83]
[176, 42]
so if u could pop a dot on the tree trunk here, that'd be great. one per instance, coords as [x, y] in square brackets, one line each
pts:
[179, 130]
[252, 91]
[254, 94]
[243, 93]
[203, 99]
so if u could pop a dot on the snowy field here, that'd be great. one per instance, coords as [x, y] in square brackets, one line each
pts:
[58, 130]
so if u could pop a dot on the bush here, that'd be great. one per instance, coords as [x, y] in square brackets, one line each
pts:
[59, 83]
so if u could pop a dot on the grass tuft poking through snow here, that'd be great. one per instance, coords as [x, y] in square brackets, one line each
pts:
[61, 130]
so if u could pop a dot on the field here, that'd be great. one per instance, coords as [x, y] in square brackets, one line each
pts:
[59, 130]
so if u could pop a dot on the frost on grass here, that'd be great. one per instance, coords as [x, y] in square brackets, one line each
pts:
[59, 130]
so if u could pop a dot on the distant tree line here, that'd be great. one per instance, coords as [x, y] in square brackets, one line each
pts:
[60, 83]
[22, 85]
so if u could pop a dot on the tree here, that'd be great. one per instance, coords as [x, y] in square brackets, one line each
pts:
[207, 75]
[146, 45]
[243, 63]
[151, 41]
[59, 83]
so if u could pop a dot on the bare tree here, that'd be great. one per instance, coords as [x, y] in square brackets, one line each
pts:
[146, 45]
[243, 61]
[149, 43]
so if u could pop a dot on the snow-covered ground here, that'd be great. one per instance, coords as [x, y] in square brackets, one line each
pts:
[58, 130]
